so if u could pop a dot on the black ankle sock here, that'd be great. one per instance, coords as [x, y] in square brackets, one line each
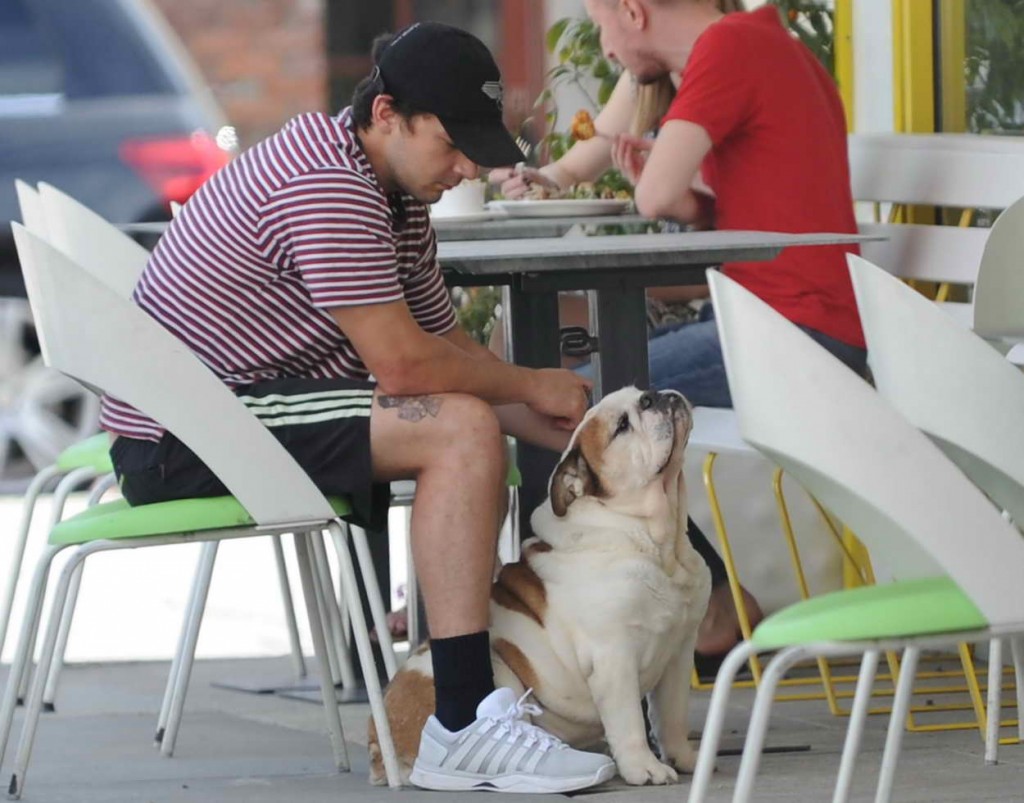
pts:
[462, 677]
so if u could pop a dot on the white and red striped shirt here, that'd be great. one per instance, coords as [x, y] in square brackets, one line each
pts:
[296, 225]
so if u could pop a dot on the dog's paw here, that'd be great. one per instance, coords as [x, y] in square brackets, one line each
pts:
[645, 769]
[684, 759]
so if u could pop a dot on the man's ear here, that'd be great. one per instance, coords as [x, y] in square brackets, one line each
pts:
[572, 479]
[382, 112]
[636, 13]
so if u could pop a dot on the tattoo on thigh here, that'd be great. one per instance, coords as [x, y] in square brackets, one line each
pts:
[412, 408]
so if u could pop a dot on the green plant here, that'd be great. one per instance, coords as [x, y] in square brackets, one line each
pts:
[994, 67]
[475, 308]
[576, 42]
[813, 22]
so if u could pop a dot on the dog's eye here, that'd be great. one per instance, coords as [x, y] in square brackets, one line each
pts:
[623, 424]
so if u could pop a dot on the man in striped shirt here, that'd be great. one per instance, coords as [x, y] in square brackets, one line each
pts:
[304, 274]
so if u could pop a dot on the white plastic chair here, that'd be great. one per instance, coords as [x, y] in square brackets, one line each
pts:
[956, 559]
[959, 171]
[998, 294]
[117, 260]
[34, 400]
[950, 384]
[104, 341]
[84, 461]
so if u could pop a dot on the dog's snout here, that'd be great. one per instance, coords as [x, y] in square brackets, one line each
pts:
[664, 401]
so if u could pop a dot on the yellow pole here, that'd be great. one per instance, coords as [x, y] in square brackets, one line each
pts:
[913, 78]
[952, 54]
[913, 66]
[843, 37]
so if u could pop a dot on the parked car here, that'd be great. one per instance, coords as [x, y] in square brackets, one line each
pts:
[98, 98]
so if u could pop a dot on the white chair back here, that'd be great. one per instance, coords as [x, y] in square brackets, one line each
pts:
[947, 382]
[92, 242]
[999, 292]
[95, 335]
[829, 429]
[926, 253]
[957, 170]
[31, 205]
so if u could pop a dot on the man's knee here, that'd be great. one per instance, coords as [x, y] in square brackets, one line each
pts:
[472, 431]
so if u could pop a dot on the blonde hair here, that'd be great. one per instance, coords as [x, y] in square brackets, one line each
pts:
[652, 100]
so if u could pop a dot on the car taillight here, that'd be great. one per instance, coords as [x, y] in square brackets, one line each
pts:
[174, 167]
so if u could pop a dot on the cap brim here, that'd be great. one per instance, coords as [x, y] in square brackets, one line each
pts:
[487, 144]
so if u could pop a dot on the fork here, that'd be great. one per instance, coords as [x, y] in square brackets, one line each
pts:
[525, 146]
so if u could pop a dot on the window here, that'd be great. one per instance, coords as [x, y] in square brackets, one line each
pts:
[29, 64]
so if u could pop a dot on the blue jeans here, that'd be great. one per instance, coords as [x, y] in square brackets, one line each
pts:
[688, 357]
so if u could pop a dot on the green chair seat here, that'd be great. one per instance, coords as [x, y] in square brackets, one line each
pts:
[93, 452]
[894, 610]
[118, 519]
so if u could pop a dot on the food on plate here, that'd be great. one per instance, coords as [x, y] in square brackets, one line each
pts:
[584, 191]
[582, 127]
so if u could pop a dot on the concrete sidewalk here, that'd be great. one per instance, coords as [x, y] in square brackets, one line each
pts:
[98, 748]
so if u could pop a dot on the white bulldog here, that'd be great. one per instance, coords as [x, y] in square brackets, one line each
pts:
[604, 604]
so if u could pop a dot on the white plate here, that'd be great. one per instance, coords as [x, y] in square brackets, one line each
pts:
[466, 217]
[561, 207]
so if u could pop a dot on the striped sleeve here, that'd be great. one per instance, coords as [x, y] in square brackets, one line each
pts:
[334, 227]
[425, 292]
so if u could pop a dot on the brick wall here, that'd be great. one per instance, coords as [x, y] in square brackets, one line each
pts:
[264, 59]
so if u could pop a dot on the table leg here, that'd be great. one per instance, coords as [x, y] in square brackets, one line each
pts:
[535, 344]
[619, 321]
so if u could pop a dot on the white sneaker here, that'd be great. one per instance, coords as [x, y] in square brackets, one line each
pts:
[503, 752]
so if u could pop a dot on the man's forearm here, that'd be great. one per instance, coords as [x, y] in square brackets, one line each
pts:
[446, 368]
[520, 421]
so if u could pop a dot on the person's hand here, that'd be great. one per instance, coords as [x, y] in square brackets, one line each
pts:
[514, 182]
[629, 155]
[560, 395]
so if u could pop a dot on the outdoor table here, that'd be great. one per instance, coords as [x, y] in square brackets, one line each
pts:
[617, 269]
[505, 227]
[499, 227]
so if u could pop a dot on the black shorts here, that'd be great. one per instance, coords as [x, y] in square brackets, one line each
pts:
[323, 423]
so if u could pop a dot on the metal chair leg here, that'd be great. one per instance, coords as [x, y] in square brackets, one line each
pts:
[994, 708]
[67, 484]
[50, 692]
[200, 586]
[23, 655]
[715, 721]
[333, 620]
[362, 639]
[320, 650]
[188, 652]
[1017, 648]
[759, 717]
[897, 723]
[100, 487]
[298, 660]
[855, 730]
[380, 620]
[35, 488]
[34, 703]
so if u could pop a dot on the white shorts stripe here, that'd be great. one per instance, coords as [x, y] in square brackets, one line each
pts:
[280, 398]
[309, 407]
[316, 418]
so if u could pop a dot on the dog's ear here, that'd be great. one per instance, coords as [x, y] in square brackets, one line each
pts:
[572, 479]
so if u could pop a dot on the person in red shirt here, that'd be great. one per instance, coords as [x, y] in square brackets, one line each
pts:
[759, 120]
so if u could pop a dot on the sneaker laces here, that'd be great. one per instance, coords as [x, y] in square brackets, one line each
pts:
[515, 723]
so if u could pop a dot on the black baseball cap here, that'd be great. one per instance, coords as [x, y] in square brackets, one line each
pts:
[448, 72]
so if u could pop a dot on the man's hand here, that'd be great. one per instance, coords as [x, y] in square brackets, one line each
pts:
[561, 395]
[629, 155]
[515, 182]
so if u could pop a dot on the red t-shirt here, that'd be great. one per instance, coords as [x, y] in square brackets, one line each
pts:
[778, 162]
